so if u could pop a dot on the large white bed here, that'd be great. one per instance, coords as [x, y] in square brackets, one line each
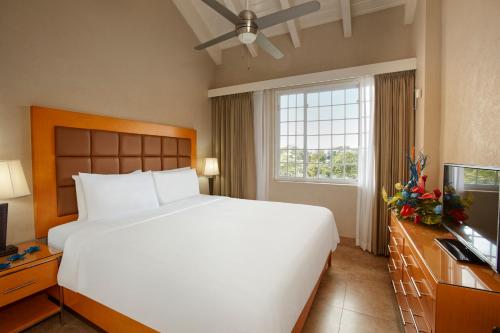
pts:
[201, 264]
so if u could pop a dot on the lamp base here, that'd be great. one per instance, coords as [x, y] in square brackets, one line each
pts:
[9, 249]
[211, 185]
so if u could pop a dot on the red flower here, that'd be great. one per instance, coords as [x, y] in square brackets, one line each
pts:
[424, 178]
[426, 196]
[418, 189]
[458, 215]
[437, 193]
[407, 210]
[418, 219]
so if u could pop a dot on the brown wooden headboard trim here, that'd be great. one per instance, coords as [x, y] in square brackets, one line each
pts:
[43, 124]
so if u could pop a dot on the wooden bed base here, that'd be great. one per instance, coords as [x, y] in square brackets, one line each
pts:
[113, 321]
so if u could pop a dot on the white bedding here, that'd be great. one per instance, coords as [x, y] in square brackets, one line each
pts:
[203, 264]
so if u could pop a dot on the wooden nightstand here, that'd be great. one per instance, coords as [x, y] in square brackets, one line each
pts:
[23, 287]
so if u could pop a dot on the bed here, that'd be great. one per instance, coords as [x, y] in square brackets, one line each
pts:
[200, 264]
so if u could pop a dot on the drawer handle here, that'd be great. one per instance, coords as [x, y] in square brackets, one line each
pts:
[394, 263]
[389, 228]
[404, 261]
[24, 285]
[403, 317]
[390, 268]
[419, 293]
[403, 289]
[391, 249]
[394, 287]
[413, 315]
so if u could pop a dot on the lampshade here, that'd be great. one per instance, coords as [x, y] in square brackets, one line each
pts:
[210, 167]
[12, 181]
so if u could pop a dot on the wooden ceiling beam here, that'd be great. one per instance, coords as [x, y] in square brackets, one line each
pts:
[345, 9]
[199, 27]
[410, 9]
[293, 26]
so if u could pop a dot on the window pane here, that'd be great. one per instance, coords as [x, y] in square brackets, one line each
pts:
[312, 99]
[299, 141]
[312, 127]
[300, 156]
[300, 114]
[338, 97]
[312, 170]
[283, 155]
[299, 168]
[283, 115]
[283, 169]
[352, 95]
[312, 114]
[351, 171]
[291, 157]
[486, 177]
[325, 127]
[338, 127]
[283, 128]
[338, 112]
[351, 141]
[284, 101]
[312, 156]
[323, 156]
[325, 112]
[291, 170]
[352, 111]
[325, 98]
[291, 128]
[352, 126]
[351, 156]
[292, 101]
[291, 142]
[283, 142]
[325, 142]
[324, 171]
[337, 141]
[337, 171]
[312, 142]
[300, 128]
[292, 114]
[300, 100]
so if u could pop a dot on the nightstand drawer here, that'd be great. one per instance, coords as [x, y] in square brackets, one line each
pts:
[27, 281]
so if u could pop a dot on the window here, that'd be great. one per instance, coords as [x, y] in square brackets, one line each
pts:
[481, 179]
[318, 133]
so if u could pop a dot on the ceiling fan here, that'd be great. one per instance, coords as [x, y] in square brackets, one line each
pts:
[247, 25]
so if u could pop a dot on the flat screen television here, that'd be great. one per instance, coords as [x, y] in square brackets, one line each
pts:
[471, 209]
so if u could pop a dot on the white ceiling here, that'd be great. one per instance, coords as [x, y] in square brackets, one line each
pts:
[329, 12]
[212, 24]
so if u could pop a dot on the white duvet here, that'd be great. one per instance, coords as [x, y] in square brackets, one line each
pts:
[206, 264]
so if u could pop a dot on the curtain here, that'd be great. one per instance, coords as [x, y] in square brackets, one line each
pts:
[233, 145]
[366, 167]
[263, 102]
[394, 137]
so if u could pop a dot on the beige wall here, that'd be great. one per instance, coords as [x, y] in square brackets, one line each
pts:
[123, 58]
[471, 82]
[377, 37]
[427, 39]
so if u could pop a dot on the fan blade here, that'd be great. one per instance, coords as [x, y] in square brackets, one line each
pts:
[287, 14]
[268, 46]
[219, 8]
[216, 40]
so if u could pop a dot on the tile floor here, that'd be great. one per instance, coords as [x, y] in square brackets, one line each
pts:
[355, 296]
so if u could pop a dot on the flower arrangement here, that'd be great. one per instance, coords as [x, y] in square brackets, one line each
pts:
[412, 202]
[456, 206]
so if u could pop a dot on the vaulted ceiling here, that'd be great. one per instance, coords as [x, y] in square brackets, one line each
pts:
[208, 24]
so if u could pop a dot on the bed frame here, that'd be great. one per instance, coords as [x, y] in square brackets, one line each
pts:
[53, 131]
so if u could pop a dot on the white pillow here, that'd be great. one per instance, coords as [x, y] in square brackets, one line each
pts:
[111, 195]
[173, 186]
[80, 198]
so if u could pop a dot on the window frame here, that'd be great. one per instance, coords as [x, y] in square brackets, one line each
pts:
[344, 84]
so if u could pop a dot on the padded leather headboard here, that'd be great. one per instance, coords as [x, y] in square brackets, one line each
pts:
[65, 143]
[104, 152]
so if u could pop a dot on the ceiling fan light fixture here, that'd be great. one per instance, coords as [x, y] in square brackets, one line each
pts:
[247, 37]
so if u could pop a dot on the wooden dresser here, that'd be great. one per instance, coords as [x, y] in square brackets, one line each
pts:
[435, 293]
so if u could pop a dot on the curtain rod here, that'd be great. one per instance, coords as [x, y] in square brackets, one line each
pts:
[331, 75]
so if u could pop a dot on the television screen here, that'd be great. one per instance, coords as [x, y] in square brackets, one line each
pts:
[471, 209]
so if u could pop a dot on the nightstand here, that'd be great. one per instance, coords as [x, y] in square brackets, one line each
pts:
[23, 288]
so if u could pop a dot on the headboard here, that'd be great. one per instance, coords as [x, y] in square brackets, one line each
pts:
[65, 143]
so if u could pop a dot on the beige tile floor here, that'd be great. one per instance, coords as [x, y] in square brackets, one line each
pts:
[355, 296]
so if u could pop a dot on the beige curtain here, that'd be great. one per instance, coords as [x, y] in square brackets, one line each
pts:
[394, 137]
[233, 145]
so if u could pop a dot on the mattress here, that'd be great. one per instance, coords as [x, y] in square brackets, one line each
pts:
[204, 264]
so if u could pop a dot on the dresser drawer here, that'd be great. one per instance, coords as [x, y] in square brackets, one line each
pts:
[28, 281]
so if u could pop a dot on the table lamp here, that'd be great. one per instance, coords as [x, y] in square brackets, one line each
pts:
[210, 169]
[12, 185]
